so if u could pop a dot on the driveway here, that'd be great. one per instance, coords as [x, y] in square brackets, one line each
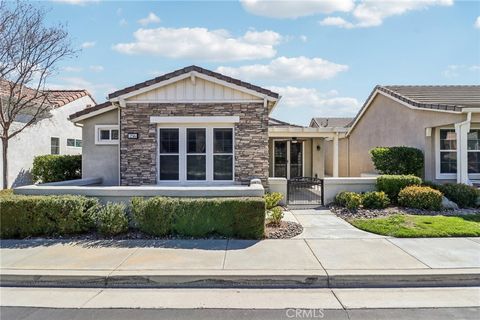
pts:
[323, 224]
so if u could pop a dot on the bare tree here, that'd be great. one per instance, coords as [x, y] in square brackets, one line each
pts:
[29, 54]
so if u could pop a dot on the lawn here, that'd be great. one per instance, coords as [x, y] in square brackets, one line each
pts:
[411, 226]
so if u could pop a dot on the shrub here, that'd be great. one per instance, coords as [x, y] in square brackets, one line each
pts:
[463, 195]
[230, 217]
[111, 219]
[375, 200]
[420, 198]
[392, 184]
[25, 216]
[51, 168]
[272, 199]
[349, 200]
[398, 160]
[275, 215]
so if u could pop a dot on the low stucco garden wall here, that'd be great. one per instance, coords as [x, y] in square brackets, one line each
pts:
[89, 187]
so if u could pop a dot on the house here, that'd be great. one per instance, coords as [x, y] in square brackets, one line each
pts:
[442, 121]
[52, 135]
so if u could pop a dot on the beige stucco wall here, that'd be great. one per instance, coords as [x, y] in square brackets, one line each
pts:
[342, 157]
[389, 123]
[99, 160]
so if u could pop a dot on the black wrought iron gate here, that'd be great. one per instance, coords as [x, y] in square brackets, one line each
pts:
[305, 191]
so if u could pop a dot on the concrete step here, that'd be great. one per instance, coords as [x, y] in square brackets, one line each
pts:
[241, 278]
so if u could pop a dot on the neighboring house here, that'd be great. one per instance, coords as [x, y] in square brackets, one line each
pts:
[442, 121]
[52, 135]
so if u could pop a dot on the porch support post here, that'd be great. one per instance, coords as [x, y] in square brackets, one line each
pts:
[461, 130]
[335, 155]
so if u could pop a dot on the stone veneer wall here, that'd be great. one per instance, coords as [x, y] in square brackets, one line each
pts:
[138, 158]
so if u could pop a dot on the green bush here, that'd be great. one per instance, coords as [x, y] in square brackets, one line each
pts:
[420, 198]
[52, 168]
[463, 195]
[375, 200]
[398, 160]
[392, 184]
[230, 217]
[349, 200]
[272, 199]
[111, 219]
[275, 215]
[26, 216]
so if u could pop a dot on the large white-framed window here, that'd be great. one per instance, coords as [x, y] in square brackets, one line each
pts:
[106, 134]
[196, 153]
[446, 154]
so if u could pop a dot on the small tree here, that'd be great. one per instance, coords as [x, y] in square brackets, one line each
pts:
[29, 53]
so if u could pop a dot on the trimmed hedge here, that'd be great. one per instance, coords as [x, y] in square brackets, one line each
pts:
[392, 184]
[463, 195]
[420, 198]
[230, 217]
[26, 216]
[111, 219]
[398, 160]
[375, 200]
[349, 200]
[52, 168]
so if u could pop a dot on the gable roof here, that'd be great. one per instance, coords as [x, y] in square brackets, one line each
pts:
[331, 122]
[99, 108]
[451, 99]
[272, 122]
[56, 98]
[189, 69]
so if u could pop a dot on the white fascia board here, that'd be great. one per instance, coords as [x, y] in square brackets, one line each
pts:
[93, 114]
[403, 103]
[470, 110]
[230, 119]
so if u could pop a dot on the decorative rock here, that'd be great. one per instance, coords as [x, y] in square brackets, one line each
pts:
[448, 204]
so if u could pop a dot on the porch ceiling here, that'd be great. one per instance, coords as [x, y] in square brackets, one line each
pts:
[290, 132]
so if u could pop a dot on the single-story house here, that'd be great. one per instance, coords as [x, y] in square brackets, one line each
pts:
[54, 134]
[196, 127]
[442, 121]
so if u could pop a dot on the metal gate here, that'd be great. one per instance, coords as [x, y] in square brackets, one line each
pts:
[305, 191]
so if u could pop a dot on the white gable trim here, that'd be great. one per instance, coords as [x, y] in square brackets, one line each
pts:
[192, 75]
[403, 103]
[93, 114]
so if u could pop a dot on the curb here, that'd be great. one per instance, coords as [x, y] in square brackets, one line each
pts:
[243, 279]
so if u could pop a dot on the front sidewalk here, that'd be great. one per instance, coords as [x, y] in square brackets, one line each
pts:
[330, 253]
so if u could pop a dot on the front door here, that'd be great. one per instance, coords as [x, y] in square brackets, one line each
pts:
[287, 159]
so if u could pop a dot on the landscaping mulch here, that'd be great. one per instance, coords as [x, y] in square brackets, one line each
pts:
[377, 213]
[286, 230]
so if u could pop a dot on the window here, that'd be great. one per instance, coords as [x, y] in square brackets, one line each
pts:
[105, 134]
[448, 151]
[55, 145]
[223, 154]
[195, 154]
[74, 143]
[169, 155]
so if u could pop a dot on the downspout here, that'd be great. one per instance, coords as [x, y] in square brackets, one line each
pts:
[461, 130]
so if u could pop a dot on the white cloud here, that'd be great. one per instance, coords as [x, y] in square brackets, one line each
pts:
[303, 38]
[72, 69]
[76, 2]
[71, 83]
[96, 68]
[371, 13]
[325, 104]
[288, 69]
[294, 9]
[150, 18]
[88, 44]
[201, 44]
[455, 70]
[477, 23]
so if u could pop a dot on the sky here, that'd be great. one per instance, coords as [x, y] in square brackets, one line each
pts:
[323, 57]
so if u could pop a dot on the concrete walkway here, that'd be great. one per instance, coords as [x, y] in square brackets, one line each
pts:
[329, 253]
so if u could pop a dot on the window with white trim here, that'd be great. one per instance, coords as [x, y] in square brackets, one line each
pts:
[74, 143]
[448, 151]
[106, 134]
[190, 154]
[54, 145]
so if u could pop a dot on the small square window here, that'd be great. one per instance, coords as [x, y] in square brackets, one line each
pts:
[104, 134]
[114, 134]
[70, 142]
[78, 143]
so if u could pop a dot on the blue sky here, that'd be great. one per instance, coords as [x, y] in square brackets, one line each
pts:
[323, 57]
